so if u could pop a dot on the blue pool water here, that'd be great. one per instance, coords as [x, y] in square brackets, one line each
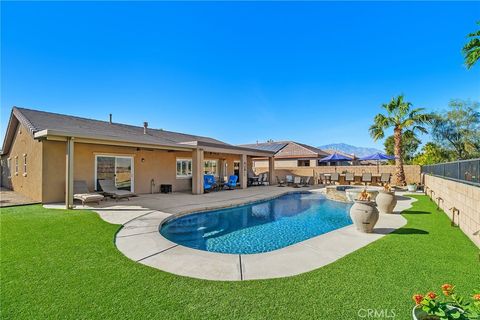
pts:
[259, 227]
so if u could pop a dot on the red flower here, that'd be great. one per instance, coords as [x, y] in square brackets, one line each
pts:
[432, 295]
[447, 289]
[418, 298]
[476, 296]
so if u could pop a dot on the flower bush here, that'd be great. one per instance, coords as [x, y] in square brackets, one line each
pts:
[451, 306]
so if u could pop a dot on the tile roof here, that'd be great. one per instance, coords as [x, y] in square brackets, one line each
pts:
[37, 121]
[288, 149]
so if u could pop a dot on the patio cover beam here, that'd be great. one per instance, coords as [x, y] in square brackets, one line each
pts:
[69, 174]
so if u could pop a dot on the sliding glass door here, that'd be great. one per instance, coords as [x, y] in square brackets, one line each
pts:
[118, 169]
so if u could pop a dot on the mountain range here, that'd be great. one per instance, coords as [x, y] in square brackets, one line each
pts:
[347, 148]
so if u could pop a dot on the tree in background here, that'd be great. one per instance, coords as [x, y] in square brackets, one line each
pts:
[401, 117]
[410, 145]
[432, 153]
[471, 51]
[458, 129]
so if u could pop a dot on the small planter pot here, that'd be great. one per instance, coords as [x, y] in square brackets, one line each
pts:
[364, 215]
[419, 314]
[386, 201]
[411, 187]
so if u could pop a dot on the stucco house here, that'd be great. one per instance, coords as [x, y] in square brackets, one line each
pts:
[288, 154]
[43, 153]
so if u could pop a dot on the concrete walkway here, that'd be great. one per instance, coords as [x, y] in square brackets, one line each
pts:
[141, 241]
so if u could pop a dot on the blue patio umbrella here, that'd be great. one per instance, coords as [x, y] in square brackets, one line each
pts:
[335, 157]
[378, 157]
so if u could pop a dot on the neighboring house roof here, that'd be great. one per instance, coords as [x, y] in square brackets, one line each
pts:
[41, 123]
[289, 149]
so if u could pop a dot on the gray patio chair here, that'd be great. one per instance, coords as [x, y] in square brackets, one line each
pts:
[297, 181]
[334, 177]
[323, 179]
[385, 178]
[306, 182]
[280, 182]
[81, 192]
[349, 177]
[109, 188]
[289, 180]
[366, 177]
[265, 180]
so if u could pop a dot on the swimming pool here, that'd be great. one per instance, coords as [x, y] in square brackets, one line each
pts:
[259, 227]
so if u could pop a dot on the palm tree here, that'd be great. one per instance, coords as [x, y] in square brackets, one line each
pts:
[404, 120]
[471, 50]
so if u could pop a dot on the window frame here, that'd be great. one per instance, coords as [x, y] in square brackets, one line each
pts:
[24, 164]
[216, 167]
[187, 161]
[16, 165]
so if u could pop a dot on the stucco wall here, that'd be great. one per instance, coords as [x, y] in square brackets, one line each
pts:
[464, 197]
[159, 165]
[26, 183]
[412, 172]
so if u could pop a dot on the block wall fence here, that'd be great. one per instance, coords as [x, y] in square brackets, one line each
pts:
[449, 194]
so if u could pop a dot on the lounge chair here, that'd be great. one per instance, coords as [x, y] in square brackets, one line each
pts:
[231, 183]
[296, 182]
[289, 180]
[209, 182]
[385, 178]
[306, 182]
[334, 177]
[366, 177]
[109, 189]
[80, 192]
[280, 182]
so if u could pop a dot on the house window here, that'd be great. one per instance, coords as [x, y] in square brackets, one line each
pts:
[24, 165]
[16, 165]
[303, 163]
[184, 168]
[210, 167]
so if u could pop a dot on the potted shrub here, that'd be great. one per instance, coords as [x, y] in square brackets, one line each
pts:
[386, 200]
[451, 306]
[364, 214]
[412, 187]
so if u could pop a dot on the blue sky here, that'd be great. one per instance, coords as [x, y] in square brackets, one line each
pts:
[240, 72]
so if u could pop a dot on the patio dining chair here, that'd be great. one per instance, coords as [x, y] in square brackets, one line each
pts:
[289, 180]
[349, 177]
[322, 178]
[306, 182]
[280, 182]
[366, 177]
[264, 181]
[297, 181]
[385, 178]
[334, 177]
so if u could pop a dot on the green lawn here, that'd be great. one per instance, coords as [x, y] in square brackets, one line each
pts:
[64, 264]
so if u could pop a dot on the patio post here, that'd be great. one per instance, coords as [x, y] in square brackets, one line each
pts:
[69, 174]
[271, 170]
[197, 171]
[243, 171]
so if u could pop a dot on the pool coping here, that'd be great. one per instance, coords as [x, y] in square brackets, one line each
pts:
[140, 240]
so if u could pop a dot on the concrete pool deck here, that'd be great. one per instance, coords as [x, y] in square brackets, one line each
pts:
[140, 240]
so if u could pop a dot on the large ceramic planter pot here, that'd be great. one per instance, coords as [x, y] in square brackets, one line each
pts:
[386, 201]
[411, 187]
[364, 215]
